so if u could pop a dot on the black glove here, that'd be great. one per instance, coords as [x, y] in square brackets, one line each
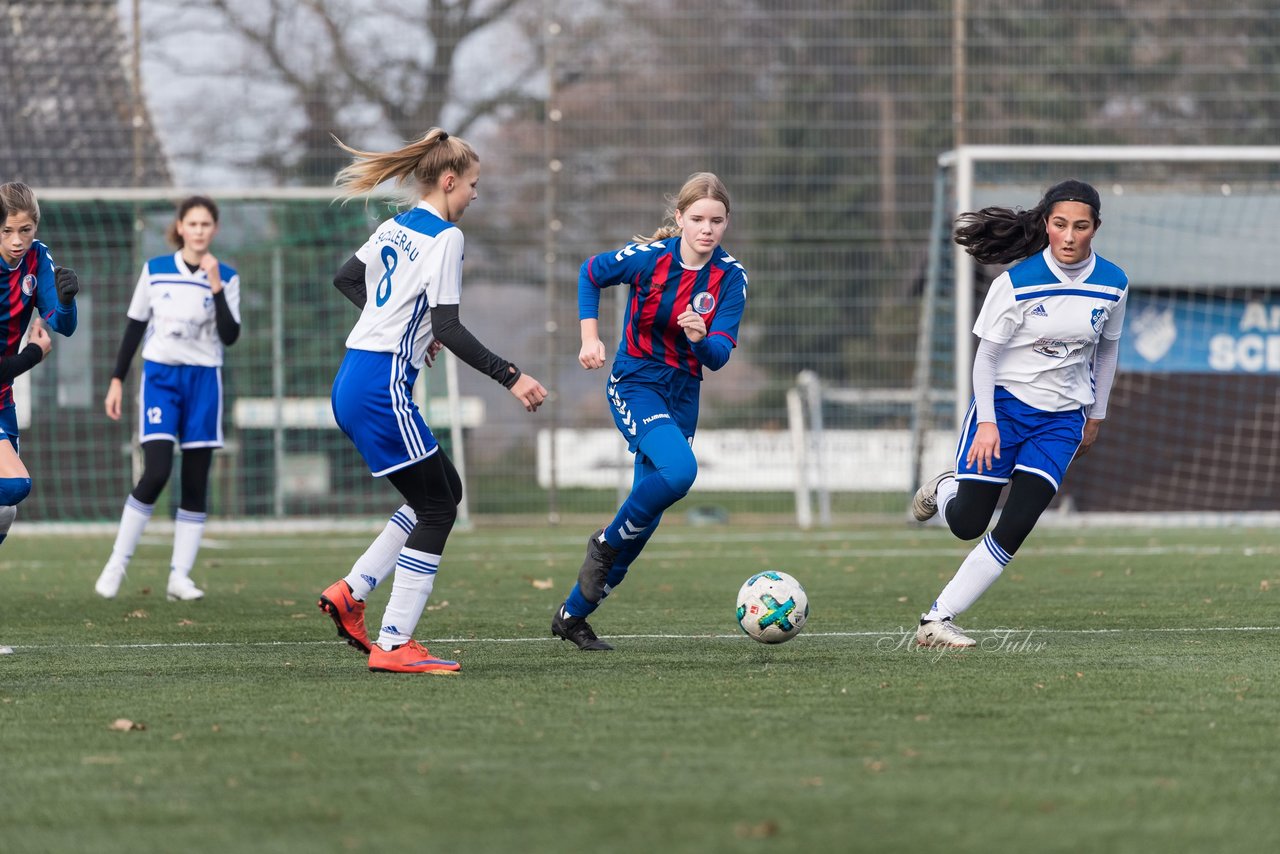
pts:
[66, 283]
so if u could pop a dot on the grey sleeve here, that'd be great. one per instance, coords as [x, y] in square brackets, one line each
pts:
[984, 378]
[1106, 358]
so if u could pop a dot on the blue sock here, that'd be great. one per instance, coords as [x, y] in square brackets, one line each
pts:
[577, 605]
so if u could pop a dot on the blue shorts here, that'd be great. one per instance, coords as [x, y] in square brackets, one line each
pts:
[644, 395]
[373, 404]
[181, 402]
[1031, 440]
[9, 425]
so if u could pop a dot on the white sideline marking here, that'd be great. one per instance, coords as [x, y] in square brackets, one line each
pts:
[897, 632]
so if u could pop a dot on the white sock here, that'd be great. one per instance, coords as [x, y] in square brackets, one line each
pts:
[946, 492]
[415, 576]
[372, 567]
[188, 529]
[978, 572]
[133, 521]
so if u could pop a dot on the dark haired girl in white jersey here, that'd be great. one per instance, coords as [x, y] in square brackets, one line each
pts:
[1050, 329]
[187, 308]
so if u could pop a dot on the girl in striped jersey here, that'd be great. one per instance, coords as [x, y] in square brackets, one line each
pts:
[407, 281]
[185, 311]
[686, 298]
[31, 288]
[1050, 329]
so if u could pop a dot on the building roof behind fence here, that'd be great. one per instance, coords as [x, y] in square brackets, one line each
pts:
[69, 102]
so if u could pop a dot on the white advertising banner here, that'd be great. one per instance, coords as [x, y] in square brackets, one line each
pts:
[754, 460]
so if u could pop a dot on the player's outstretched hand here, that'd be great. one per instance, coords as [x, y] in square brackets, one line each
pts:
[591, 356]
[115, 394]
[67, 284]
[40, 336]
[529, 392]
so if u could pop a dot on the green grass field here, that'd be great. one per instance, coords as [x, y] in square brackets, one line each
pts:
[1131, 704]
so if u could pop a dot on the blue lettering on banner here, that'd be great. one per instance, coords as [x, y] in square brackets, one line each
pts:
[1201, 333]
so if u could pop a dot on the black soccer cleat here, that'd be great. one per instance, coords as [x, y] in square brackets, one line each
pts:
[595, 567]
[576, 629]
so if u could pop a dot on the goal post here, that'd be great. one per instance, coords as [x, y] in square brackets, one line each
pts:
[1194, 422]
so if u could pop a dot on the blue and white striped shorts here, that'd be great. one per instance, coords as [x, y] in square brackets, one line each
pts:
[373, 404]
[1031, 440]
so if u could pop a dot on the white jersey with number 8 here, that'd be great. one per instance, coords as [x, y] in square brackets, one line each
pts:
[412, 262]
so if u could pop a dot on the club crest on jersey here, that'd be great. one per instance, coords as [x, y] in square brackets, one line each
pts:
[704, 302]
[28, 284]
[1098, 318]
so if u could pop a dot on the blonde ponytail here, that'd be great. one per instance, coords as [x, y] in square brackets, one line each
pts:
[422, 162]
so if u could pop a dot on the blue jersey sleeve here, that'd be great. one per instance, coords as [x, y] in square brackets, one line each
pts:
[626, 265]
[60, 318]
[722, 336]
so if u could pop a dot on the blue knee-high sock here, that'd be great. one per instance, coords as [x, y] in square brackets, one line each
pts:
[575, 603]
[674, 469]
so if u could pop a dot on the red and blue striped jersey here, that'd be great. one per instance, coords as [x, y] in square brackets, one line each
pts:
[27, 286]
[661, 289]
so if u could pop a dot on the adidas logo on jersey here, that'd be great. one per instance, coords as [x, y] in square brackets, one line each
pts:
[1039, 311]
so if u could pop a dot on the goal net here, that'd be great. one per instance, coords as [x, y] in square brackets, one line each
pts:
[1193, 426]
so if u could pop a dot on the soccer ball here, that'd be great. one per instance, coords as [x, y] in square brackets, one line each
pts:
[772, 607]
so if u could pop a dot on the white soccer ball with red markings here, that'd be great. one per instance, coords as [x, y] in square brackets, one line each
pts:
[772, 607]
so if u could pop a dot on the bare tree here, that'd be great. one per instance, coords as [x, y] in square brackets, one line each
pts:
[292, 72]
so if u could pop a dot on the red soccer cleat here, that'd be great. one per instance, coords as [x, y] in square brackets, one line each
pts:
[347, 613]
[411, 657]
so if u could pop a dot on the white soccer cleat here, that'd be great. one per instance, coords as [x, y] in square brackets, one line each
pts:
[183, 589]
[942, 633]
[108, 583]
[924, 506]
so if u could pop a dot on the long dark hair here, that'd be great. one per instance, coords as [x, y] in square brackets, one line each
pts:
[998, 235]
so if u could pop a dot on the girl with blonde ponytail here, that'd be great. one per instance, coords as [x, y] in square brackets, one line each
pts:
[407, 281]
